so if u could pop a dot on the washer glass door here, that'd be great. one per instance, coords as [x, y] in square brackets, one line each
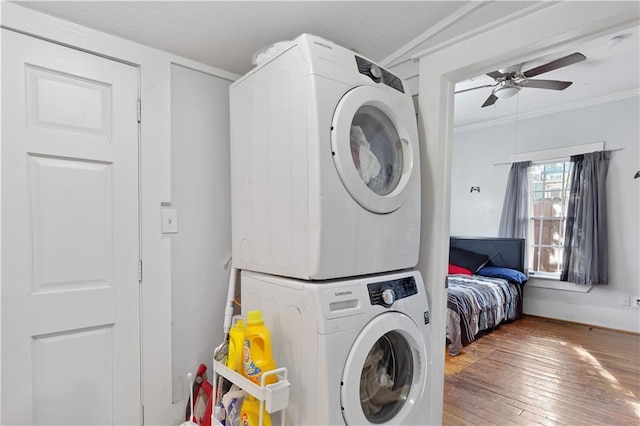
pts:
[385, 374]
[374, 144]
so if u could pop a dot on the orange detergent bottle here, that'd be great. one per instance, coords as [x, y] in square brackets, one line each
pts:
[256, 351]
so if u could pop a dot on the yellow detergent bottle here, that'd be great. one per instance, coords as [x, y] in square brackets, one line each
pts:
[256, 351]
[236, 339]
[250, 413]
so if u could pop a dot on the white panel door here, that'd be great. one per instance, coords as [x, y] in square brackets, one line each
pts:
[70, 291]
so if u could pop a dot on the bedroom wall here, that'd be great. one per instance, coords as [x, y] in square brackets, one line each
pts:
[477, 154]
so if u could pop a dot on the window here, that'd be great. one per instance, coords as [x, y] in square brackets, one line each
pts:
[549, 185]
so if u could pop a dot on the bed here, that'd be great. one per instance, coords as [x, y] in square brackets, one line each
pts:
[484, 287]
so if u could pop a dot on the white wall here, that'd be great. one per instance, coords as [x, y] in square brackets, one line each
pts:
[478, 214]
[200, 189]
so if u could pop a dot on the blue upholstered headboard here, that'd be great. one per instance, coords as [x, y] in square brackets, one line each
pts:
[504, 252]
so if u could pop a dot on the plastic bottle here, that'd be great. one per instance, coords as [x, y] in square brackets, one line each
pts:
[256, 350]
[250, 413]
[236, 340]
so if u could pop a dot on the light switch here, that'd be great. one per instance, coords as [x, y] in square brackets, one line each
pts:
[169, 221]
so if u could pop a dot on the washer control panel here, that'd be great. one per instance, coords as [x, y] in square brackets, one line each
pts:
[384, 293]
[377, 74]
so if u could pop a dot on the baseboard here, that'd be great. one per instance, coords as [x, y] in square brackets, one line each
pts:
[178, 410]
[579, 324]
[623, 319]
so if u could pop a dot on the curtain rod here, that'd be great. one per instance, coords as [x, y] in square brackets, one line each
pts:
[550, 159]
[557, 153]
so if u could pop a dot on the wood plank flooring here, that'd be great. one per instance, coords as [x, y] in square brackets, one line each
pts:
[537, 371]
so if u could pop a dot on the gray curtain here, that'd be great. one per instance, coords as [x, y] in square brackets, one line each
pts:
[585, 259]
[515, 209]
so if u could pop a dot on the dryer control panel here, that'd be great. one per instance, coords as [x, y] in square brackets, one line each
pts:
[379, 75]
[384, 293]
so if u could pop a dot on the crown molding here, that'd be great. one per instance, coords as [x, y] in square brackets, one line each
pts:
[402, 55]
[497, 23]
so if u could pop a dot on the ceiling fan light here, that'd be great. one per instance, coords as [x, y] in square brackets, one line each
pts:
[507, 92]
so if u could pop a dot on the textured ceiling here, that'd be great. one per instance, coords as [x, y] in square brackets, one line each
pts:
[225, 34]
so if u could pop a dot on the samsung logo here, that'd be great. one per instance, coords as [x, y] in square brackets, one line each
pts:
[322, 45]
[343, 293]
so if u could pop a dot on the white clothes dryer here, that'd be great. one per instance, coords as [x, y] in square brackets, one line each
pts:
[355, 349]
[325, 172]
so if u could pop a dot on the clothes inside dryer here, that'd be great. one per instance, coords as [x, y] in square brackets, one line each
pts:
[376, 149]
[364, 159]
[386, 378]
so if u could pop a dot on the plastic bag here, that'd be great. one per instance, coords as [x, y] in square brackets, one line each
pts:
[232, 405]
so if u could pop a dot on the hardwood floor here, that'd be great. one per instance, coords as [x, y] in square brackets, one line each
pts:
[538, 371]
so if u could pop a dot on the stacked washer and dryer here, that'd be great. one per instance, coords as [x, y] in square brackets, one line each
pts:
[325, 228]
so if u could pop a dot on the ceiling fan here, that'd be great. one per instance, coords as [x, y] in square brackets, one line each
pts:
[508, 82]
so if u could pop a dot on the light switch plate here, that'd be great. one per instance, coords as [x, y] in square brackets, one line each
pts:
[169, 221]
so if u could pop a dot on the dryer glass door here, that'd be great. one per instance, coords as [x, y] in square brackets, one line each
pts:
[384, 377]
[374, 145]
[376, 149]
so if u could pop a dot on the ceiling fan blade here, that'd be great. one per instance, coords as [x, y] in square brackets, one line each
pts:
[495, 74]
[474, 88]
[490, 100]
[546, 84]
[558, 63]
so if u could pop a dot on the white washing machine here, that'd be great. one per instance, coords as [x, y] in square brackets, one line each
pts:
[355, 349]
[325, 173]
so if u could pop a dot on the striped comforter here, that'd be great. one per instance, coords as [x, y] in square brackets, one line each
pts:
[476, 304]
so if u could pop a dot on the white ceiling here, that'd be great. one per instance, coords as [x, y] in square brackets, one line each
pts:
[225, 35]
